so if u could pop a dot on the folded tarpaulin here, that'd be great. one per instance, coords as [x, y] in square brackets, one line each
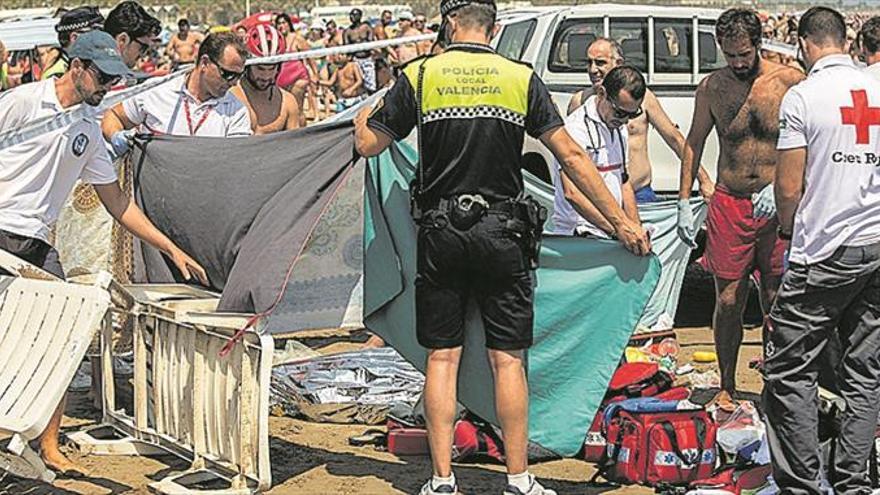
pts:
[244, 208]
[590, 295]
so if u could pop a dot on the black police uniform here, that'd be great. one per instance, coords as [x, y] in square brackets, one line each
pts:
[476, 107]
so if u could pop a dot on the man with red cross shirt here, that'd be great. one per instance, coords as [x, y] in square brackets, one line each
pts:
[828, 201]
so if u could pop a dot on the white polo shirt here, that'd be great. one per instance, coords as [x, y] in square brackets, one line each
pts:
[835, 114]
[171, 109]
[874, 70]
[606, 147]
[37, 176]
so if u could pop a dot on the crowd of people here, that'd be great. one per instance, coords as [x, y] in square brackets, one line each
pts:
[320, 86]
[795, 197]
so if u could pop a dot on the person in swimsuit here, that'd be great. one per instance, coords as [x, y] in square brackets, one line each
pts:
[295, 76]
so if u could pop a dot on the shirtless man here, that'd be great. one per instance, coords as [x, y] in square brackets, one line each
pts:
[184, 44]
[407, 51]
[271, 108]
[604, 54]
[741, 101]
[360, 32]
[333, 34]
[349, 83]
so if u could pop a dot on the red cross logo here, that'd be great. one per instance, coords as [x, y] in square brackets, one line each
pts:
[861, 115]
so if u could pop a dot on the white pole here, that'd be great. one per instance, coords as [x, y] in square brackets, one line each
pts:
[247, 8]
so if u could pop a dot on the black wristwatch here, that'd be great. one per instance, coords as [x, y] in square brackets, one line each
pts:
[785, 236]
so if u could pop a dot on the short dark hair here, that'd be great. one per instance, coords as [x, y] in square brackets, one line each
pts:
[129, 17]
[476, 16]
[738, 22]
[869, 35]
[183, 22]
[822, 25]
[624, 77]
[215, 43]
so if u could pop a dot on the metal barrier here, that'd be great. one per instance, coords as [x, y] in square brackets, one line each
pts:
[209, 410]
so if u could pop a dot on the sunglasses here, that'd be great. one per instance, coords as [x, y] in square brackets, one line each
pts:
[623, 114]
[227, 75]
[144, 47]
[103, 78]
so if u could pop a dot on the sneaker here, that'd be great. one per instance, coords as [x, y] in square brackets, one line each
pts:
[535, 488]
[429, 489]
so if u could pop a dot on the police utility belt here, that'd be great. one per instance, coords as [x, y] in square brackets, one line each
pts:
[523, 217]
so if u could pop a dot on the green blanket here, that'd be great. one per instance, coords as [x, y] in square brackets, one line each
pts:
[590, 296]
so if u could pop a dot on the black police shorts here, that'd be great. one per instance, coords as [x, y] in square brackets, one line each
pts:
[486, 262]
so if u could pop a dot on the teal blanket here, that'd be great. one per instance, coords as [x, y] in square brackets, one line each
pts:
[590, 296]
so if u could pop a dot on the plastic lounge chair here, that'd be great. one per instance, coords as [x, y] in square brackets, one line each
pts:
[45, 331]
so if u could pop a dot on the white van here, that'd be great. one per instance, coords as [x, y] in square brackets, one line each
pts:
[673, 46]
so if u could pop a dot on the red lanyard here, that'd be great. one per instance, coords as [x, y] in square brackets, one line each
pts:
[194, 130]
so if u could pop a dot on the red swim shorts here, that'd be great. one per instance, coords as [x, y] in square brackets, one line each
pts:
[292, 72]
[736, 242]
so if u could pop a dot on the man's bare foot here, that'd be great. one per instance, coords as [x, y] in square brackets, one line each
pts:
[59, 463]
[374, 342]
[723, 401]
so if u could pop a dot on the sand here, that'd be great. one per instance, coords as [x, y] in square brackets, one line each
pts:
[310, 458]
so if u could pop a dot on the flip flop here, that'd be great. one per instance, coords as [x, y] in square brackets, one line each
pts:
[373, 436]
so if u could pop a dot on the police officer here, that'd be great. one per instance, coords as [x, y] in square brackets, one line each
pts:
[828, 199]
[473, 108]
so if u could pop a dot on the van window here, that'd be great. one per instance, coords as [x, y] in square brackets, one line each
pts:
[672, 45]
[632, 34]
[569, 49]
[711, 57]
[515, 38]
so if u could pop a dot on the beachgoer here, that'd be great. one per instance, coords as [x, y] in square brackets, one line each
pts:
[271, 108]
[360, 32]
[741, 101]
[184, 45]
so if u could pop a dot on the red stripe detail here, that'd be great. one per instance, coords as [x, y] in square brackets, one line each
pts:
[230, 344]
[608, 168]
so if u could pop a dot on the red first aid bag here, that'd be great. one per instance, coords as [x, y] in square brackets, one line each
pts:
[630, 380]
[675, 447]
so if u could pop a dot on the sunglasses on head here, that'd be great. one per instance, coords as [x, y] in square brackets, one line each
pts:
[227, 75]
[104, 79]
[620, 113]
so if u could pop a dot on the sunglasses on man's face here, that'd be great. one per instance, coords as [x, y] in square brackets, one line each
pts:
[104, 79]
[229, 76]
[143, 48]
[620, 113]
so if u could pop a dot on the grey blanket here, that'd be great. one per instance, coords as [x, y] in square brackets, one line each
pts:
[243, 208]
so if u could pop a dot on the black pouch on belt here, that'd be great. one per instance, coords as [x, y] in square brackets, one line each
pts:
[534, 215]
[465, 210]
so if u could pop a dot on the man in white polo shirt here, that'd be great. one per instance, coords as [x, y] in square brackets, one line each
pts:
[198, 105]
[869, 41]
[37, 176]
[827, 192]
[599, 126]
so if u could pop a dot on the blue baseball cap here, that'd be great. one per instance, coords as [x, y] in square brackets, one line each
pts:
[99, 48]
